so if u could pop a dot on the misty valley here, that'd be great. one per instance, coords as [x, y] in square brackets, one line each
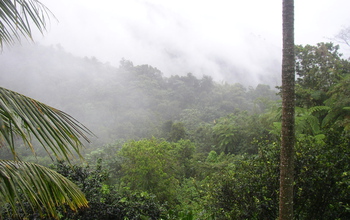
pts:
[189, 147]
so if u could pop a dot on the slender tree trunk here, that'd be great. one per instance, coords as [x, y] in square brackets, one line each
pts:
[288, 107]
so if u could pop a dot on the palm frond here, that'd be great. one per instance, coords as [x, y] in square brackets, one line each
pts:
[43, 188]
[24, 117]
[305, 120]
[16, 17]
[338, 116]
[316, 109]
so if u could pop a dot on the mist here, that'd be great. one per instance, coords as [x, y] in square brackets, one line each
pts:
[125, 102]
[183, 101]
[233, 41]
[75, 65]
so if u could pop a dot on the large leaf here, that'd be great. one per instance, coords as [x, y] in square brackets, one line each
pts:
[42, 188]
[24, 117]
[17, 16]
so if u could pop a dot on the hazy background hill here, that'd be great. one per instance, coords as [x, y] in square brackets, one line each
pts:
[129, 101]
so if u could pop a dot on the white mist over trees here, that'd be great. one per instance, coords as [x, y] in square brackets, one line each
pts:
[219, 39]
[118, 102]
[200, 141]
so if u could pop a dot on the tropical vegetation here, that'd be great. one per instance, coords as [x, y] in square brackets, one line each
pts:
[168, 147]
[25, 184]
[183, 147]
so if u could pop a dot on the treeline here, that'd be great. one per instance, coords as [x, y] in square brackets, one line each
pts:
[128, 102]
[208, 150]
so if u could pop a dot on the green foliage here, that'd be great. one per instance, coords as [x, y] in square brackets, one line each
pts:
[150, 166]
[322, 184]
[107, 156]
[212, 157]
[37, 188]
[203, 137]
[183, 152]
[58, 133]
[339, 102]
[228, 167]
[18, 16]
[318, 69]
[89, 180]
[173, 131]
[235, 133]
[246, 189]
[108, 202]
[24, 183]
[157, 166]
[308, 121]
[263, 98]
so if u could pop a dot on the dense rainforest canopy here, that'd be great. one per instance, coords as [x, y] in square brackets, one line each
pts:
[187, 147]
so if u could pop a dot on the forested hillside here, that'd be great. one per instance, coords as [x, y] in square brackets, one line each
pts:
[183, 147]
[129, 101]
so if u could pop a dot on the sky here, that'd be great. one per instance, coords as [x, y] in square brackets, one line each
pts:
[226, 39]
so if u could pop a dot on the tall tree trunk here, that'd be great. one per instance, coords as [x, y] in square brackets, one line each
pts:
[288, 108]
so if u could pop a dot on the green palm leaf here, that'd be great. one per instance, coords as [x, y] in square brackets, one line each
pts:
[59, 133]
[21, 116]
[16, 16]
[43, 188]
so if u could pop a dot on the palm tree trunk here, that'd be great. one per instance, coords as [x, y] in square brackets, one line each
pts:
[288, 107]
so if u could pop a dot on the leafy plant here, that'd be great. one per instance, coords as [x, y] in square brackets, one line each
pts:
[22, 117]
